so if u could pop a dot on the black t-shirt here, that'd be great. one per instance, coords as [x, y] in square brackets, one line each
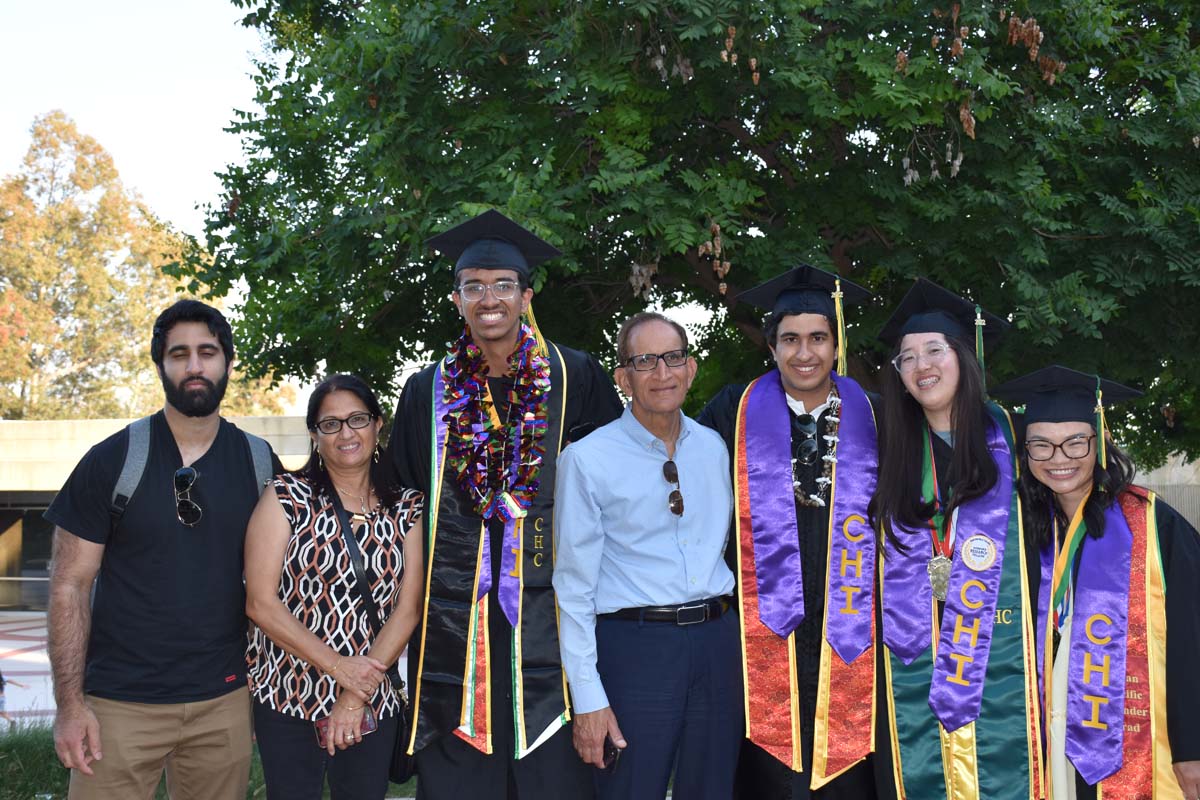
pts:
[168, 614]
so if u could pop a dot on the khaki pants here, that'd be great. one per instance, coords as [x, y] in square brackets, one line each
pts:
[204, 746]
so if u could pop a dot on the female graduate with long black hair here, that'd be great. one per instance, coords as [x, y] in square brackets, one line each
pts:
[956, 667]
[1116, 579]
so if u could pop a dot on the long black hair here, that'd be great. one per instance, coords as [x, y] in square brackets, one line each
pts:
[1041, 509]
[314, 470]
[897, 499]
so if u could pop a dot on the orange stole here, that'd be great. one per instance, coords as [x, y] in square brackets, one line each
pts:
[772, 699]
[477, 682]
[1145, 753]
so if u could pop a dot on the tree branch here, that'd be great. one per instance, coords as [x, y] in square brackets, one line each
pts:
[765, 152]
[1071, 237]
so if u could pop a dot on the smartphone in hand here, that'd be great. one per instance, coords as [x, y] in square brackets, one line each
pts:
[369, 724]
[611, 752]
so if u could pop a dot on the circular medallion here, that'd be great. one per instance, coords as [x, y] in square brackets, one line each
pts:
[978, 552]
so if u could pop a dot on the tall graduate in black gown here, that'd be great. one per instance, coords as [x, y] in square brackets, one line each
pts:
[802, 444]
[479, 432]
[1115, 573]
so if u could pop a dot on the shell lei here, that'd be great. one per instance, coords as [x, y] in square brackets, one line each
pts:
[477, 438]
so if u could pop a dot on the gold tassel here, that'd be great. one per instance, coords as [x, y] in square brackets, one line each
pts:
[1101, 428]
[841, 326]
[531, 320]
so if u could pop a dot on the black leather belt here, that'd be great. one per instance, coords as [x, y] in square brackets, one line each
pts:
[683, 614]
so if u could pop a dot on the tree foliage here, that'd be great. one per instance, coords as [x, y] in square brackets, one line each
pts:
[1040, 156]
[81, 282]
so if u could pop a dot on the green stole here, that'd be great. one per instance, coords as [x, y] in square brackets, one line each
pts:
[998, 755]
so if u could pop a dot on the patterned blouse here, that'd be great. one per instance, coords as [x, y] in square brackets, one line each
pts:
[317, 585]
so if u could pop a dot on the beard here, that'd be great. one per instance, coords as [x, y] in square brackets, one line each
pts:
[195, 402]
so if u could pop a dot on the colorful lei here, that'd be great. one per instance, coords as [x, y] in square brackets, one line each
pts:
[477, 438]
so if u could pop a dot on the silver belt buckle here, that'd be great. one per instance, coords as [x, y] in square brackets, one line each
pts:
[691, 615]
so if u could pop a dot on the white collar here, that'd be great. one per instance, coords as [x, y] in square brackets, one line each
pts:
[797, 406]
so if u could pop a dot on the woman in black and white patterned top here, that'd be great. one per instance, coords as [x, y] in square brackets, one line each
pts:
[312, 653]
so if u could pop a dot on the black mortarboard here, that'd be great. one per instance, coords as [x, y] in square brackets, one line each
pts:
[807, 290]
[1060, 394]
[492, 241]
[928, 308]
[804, 290]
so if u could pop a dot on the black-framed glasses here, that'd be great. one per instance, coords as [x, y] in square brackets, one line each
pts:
[806, 451]
[331, 425]
[675, 499]
[645, 362]
[501, 290]
[1074, 447]
[186, 509]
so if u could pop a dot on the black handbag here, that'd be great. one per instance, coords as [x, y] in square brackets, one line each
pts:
[401, 768]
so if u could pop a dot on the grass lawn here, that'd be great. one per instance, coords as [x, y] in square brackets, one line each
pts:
[29, 769]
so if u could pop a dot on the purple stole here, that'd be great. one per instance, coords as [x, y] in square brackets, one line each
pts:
[770, 577]
[964, 645]
[1116, 699]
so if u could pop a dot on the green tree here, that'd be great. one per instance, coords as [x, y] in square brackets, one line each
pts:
[1040, 156]
[81, 282]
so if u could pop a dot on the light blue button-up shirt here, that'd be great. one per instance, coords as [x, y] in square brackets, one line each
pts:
[617, 544]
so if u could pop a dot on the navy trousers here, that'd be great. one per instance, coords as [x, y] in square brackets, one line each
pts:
[676, 691]
[295, 768]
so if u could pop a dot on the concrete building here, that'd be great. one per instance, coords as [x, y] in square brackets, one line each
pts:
[36, 457]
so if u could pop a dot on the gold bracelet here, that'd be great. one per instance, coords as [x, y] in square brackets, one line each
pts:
[334, 668]
[354, 708]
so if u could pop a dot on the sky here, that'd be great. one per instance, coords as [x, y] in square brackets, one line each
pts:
[155, 82]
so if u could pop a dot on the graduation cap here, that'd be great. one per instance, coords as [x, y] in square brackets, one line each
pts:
[493, 241]
[1061, 394]
[929, 308]
[807, 290]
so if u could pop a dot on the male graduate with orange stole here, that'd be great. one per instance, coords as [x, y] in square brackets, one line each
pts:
[802, 443]
[1116, 578]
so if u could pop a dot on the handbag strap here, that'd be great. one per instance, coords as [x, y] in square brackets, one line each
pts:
[361, 582]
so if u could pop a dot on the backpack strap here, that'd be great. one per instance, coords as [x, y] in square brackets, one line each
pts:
[136, 454]
[260, 453]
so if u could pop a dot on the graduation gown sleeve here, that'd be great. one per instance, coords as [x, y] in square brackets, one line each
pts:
[1179, 544]
[720, 414]
[408, 448]
[592, 399]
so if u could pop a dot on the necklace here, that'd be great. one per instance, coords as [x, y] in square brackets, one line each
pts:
[818, 498]
[357, 516]
[480, 443]
[940, 529]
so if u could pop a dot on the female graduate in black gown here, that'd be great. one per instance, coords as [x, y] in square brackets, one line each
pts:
[1117, 581]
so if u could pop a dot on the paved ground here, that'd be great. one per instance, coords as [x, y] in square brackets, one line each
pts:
[23, 658]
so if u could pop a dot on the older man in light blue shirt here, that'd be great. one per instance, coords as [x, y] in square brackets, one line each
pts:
[648, 643]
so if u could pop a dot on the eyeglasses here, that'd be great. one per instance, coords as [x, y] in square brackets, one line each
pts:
[331, 425]
[1074, 447]
[806, 426]
[646, 362]
[186, 509]
[907, 361]
[675, 499]
[501, 290]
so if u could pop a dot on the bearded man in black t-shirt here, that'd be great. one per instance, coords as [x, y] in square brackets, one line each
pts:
[150, 672]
